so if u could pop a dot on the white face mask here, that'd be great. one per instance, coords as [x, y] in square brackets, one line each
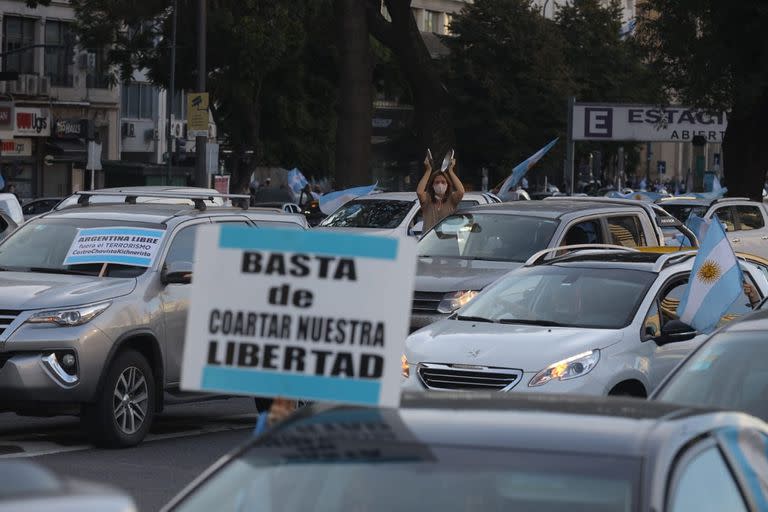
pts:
[440, 188]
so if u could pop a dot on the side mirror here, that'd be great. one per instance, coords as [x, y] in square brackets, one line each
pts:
[178, 272]
[676, 331]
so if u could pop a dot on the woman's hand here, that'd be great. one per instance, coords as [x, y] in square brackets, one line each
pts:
[751, 294]
[427, 166]
[452, 166]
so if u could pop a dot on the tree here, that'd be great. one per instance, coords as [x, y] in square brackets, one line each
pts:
[605, 67]
[255, 59]
[510, 81]
[431, 100]
[714, 55]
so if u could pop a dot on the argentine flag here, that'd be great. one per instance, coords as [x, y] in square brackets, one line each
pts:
[296, 182]
[523, 167]
[332, 201]
[715, 282]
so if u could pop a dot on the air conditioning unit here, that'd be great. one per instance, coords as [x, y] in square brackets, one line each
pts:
[128, 130]
[44, 86]
[150, 134]
[32, 83]
[19, 86]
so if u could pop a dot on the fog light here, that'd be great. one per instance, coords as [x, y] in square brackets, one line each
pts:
[68, 361]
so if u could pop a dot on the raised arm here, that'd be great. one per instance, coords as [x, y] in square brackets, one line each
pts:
[458, 187]
[421, 188]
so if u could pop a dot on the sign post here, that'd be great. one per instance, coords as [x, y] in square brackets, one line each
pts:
[279, 313]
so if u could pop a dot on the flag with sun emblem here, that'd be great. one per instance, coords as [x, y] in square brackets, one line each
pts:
[715, 282]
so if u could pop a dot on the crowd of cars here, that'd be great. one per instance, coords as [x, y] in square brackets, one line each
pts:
[567, 303]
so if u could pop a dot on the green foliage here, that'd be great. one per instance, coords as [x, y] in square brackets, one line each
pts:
[270, 67]
[510, 81]
[713, 54]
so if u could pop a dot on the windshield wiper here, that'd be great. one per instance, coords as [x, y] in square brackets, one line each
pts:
[546, 323]
[475, 319]
[45, 270]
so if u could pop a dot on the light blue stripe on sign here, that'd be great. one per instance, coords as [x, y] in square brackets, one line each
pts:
[109, 258]
[149, 233]
[307, 387]
[322, 242]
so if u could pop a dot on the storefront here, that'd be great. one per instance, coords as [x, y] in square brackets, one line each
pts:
[66, 156]
[21, 156]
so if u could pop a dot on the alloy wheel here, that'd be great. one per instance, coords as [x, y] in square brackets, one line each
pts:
[130, 400]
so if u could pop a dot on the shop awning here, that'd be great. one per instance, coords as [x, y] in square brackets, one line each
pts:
[67, 150]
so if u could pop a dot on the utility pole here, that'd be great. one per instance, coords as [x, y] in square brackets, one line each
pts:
[201, 169]
[171, 93]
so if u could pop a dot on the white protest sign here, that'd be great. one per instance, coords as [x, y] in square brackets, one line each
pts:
[299, 314]
[120, 245]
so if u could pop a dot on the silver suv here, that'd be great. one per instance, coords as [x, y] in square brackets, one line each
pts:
[105, 341]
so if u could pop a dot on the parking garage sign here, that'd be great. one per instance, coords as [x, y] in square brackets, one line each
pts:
[645, 123]
[298, 314]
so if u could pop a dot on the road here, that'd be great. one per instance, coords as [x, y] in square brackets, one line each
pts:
[184, 441]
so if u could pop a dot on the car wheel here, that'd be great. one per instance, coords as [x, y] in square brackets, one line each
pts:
[123, 412]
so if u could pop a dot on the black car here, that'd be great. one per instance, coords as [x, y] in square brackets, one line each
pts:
[494, 452]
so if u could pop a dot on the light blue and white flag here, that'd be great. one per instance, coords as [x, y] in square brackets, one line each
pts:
[523, 167]
[296, 182]
[332, 201]
[715, 282]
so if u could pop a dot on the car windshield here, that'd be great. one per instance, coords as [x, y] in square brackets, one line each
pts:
[370, 213]
[418, 477]
[727, 372]
[488, 236]
[682, 211]
[599, 298]
[41, 245]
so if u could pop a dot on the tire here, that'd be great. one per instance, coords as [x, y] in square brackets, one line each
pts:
[119, 423]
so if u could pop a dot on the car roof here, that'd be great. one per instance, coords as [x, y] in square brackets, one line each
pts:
[539, 422]
[552, 208]
[411, 196]
[153, 213]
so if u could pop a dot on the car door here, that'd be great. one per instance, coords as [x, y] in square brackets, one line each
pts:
[752, 229]
[663, 358]
[175, 297]
[703, 481]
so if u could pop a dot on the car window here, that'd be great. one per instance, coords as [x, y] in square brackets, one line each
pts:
[467, 203]
[750, 217]
[706, 471]
[587, 232]
[626, 231]
[182, 247]
[726, 216]
[728, 371]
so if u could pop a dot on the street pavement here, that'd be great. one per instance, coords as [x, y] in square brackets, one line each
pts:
[184, 441]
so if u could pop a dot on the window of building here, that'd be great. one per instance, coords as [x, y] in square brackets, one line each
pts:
[18, 38]
[139, 101]
[448, 20]
[432, 22]
[59, 53]
[178, 104]
[98, 74]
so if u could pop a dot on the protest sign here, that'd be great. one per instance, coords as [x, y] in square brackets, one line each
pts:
[120, 245]
[298, 314]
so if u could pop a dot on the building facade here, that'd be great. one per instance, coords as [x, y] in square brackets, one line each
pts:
[61, 99]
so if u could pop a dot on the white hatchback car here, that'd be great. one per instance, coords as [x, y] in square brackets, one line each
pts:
[391, 213]
[594, 322]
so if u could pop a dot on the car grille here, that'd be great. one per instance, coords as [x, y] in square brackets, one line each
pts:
[467, 377]
[6, 318]
[426, 302]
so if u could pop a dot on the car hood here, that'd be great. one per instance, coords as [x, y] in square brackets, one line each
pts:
[527, 347]
[31, 290]
[452, 274]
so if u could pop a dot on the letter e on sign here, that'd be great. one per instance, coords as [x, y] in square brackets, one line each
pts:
[598, 122]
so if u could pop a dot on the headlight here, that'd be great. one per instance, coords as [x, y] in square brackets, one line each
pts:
[405, 370]
[69, 317]
[455, 300]
[576, 366]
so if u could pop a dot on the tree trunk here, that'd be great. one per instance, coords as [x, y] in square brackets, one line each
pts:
[745, 153]
[432, 102]
[355, 107]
